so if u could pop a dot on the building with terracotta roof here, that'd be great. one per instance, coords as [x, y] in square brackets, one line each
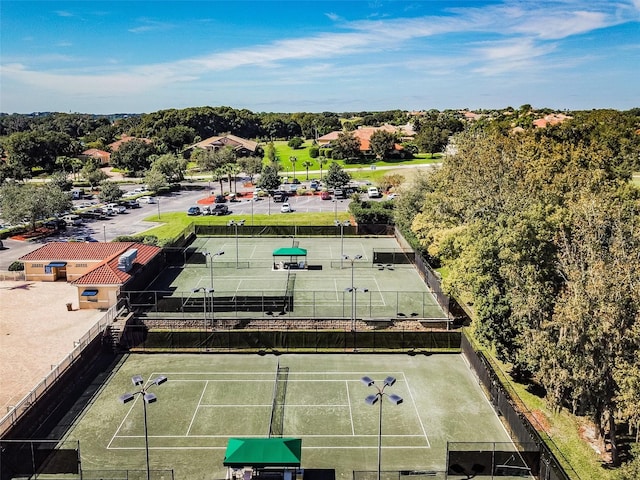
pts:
[363, 134]
[103, 157]
[241, 146]
[551, 119]
[123, 139]
[99, 270]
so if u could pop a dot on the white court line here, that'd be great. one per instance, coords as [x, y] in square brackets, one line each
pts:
[251, 436]
[384, 304]
[195, 412]
[353, 431]
[416, 409]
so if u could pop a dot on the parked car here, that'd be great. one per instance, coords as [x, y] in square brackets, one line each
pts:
[72, 220]
[219, 209]
[286, 208]
[56, 224]
[220, 199]
[391, 196]
[280, 196]
[325, 196]
[373, 192]
[194, 211]
[116, 207]
[131, 204]
[340, 193]
[147, 199]
[313, 185]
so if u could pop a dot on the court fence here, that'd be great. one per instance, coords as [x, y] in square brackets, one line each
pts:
[375, 308]
[38, 458]
[294, 340]
[400, 475]
[549, 464]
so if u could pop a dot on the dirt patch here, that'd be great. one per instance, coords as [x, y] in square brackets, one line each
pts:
[540, 420]
[589, 435]
[37, 332]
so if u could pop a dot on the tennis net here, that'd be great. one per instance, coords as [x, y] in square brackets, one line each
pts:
[276, 425]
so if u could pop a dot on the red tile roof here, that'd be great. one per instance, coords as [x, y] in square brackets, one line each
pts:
[125, 138]
[77, 251]
[106, 272]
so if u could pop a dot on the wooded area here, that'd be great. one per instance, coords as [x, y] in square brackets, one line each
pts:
[539, 232]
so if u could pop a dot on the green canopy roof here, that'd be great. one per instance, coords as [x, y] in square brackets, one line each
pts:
[290, 252]
[263, 452]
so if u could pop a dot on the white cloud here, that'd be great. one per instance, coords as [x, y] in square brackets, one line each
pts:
[525, 29]
[149, 25]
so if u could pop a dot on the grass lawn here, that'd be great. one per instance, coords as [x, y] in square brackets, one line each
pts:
[171, 224]
[284, 153]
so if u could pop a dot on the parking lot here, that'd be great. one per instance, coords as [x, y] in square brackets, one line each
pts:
[132, 221]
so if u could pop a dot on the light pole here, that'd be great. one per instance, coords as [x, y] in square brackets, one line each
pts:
[340, 224]
[147, 398]
[211, 255]
[352, 289]
[377, 397]
[158, 200]
[204, 303]
[236, 224]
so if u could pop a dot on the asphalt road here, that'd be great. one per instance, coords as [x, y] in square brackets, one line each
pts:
[132, 221]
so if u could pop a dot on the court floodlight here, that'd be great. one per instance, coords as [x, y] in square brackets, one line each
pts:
[395, 399]
[160, 380]
[371, 399]
[368, 381]
[389, 380]
[150, 398]
[126, 397]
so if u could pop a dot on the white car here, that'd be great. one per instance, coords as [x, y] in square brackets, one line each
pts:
[147, 199]
[286, 208]
[116, 207]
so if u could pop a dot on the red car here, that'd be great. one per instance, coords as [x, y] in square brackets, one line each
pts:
[325, 196]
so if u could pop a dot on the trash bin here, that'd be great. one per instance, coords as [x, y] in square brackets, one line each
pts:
[69, 307]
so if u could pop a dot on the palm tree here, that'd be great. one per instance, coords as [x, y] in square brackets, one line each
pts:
[306, 165]
[322, 161]
[293, 161]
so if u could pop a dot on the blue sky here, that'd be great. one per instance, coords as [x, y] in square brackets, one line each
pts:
[290, 56]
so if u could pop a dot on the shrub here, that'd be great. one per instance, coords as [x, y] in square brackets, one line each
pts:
[314, 152]
[16, 266]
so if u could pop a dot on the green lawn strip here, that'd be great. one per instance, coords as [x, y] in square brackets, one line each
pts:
[174, 223]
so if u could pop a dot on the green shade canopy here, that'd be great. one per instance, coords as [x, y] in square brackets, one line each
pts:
[290, 252]
[263, 452]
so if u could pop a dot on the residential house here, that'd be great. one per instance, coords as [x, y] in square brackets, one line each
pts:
[241, 146]
[103, 157]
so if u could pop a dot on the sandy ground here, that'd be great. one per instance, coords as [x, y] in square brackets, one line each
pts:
[36, 333]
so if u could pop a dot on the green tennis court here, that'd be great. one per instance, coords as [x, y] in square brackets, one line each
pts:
[210, 398]
[328, 286]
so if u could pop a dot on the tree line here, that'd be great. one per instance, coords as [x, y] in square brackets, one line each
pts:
[539, 233]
